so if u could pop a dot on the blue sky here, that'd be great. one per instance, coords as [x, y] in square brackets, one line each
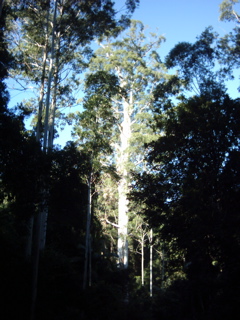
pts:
[177, 20]
[184, 20]
[181, 20]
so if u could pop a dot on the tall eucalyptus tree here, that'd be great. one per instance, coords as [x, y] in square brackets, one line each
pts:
[134, 60]
[50, 41]
[93, 130]
[53, 35]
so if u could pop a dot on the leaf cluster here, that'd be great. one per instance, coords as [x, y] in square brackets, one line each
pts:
[195, 63]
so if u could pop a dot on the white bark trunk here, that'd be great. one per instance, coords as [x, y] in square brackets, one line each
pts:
[50, 74]
[47, 144]
[51, 122]
[151, 263]
[41, 218]
[38, 131]
[41, 95]
[123, 224]
[122, 162]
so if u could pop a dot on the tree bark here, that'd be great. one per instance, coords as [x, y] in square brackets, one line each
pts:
[39, 128]
[87, 261]
[42, 87]
[163, 267]
[50, 75]
[41, 219]
[151, 263]
[142, 261]
[122, 163]
[51, 122]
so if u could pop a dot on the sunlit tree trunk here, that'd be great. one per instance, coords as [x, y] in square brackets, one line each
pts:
[39, 129]
[53, 108]
[123, 224]
[41, 218]
[138, 68]
[42, 87]
[49, 85]
[47, 143]
[123, 172]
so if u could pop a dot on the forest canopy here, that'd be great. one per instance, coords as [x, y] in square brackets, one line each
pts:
[137, 216]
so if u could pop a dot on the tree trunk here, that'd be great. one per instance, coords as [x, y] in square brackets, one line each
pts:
[35, 263]
[38, 131]
[163, 267]
[151, 263]
[122, 162]
[87, 262]
[41, 219]
[123, 224]
[30, 225]
[142, 261]
[42, 87]
[50, 75]
[54, 96]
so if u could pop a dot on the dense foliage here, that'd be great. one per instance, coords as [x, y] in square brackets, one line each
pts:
[182, 170]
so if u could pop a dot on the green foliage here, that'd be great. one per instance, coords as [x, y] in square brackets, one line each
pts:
[134, 62]
[186, 192]
[195, 64]
[187, 187]
[227, 12]
[94, 124]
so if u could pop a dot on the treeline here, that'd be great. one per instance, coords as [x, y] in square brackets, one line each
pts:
[137, 217]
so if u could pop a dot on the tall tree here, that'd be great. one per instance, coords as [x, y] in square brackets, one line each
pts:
[64, 27]
[93, 130]
[227, 11]
[64, 31]
[229, 44]
[137, 65]
[183, 193]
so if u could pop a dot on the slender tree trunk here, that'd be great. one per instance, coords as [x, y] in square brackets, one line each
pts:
[35, 264]
[42, 88]
[44, 217]
[163, 266]
[90, 261]
[41, 219]
[47, 144]
[50, 132]
[142, 261]
[54, 95]
[50, 75]
[38, 130]
[87, 261]
[123, 224]
[30, 225]
[122, 163]
[151, 263]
